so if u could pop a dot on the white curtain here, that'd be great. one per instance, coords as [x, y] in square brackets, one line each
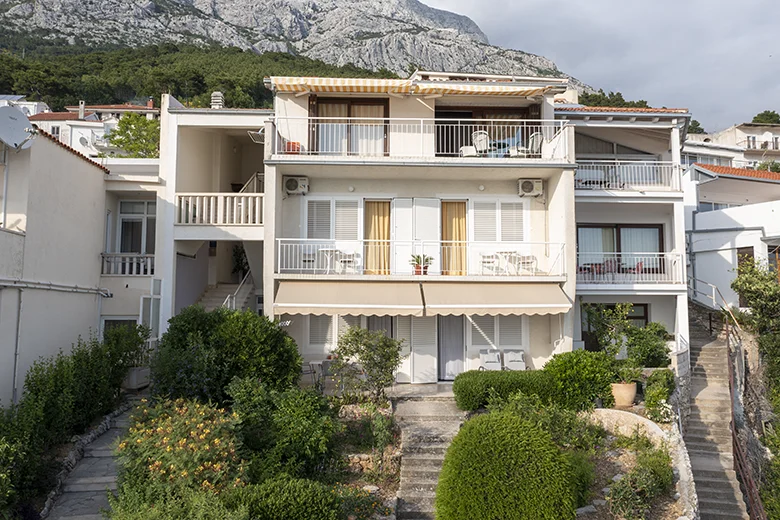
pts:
[332, 133]
[593, 243]
[634, 241]
[367, 136]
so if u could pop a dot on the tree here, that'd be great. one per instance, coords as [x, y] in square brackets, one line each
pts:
[609, 324]
[767, 117]
[137, 136]
[769, 166]
[613, 99]
[695, 128]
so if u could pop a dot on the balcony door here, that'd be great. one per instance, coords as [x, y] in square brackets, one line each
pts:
[604, 249]
[377, 237]
[416, 235]
[350, 126]
[453, 238]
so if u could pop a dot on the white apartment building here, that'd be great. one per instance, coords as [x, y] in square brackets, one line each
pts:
[462, 213]
[21, 103]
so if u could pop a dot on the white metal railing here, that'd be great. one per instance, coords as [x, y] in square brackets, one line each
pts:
[256, 184]
[628, 176]
[128, 264]
[407, 258]
[230, 300]
[630, 268]
[219, 209]
[760, 144]
[422, 138]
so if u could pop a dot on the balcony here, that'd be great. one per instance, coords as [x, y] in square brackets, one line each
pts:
[434, 140]
[218, 216]
[636, 176]
[127, 264]
[309, 258]
[772, 145]
[630, 268]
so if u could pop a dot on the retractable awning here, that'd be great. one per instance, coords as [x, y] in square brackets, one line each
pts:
[350, 298]
[482, 89]
[355, 85]
[494, 299]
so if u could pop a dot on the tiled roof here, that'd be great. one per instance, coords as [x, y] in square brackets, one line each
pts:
[113, 107]
[584, 108]
[71, 150]
[740, 172]
[57, 116]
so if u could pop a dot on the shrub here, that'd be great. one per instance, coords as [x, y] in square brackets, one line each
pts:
[291, 499]
[180, 444]
[10, 455]
[580, 377]
[135, 504]
[366, 361]
[473, 388]
[583, 474]
[566, 428]
[630, 497]
[515, 466]
[203, 351]
[609, 324]
[660, 386]
[359, 504]
[646, 346]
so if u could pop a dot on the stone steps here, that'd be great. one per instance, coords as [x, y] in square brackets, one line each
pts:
[76, 485]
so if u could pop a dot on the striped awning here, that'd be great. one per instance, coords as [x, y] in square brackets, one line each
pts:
[349, 298]
[355, 85]
[494, 299]
[487, 89]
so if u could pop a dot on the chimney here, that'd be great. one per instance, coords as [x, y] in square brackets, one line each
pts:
[217, 100]
[82, 108]
[150, 103]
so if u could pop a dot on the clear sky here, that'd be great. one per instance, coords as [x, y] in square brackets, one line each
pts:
[720, 59]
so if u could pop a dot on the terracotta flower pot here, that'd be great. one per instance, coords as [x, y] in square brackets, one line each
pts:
[624, 394]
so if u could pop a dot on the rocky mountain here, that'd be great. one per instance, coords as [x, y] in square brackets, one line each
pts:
[392, 34]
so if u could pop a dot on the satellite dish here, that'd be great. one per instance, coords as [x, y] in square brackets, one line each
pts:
[16, 130]
[257, 137]
[83, 141]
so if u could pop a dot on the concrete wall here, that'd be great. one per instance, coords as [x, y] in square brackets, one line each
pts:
[195, 161]
[11, 254]
[127, 292]
[192, 277]
[19, 168]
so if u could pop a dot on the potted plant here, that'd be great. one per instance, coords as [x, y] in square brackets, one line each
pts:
[421, 263]
[624, 387]
[240, 264]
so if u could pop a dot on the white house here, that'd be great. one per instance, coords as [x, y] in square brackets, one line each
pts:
[28, 108]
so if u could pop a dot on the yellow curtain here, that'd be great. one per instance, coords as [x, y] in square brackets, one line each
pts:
[377, 233]
[453, 235]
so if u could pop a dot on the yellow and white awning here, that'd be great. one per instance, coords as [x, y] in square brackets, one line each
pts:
[349, 298]
[335, 85]
[479, 89]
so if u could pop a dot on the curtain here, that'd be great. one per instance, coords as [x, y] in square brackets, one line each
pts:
[593, 243]
[332, 133]
[634, 242]
[377, 233]
[131, 233]
[453, 235]
[367, 137]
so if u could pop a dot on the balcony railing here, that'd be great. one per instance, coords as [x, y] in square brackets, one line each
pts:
[773, 144]
[422, 138]
[128, 264]
[630, 268]
[628, 176]
[408, 258]
[219, 209]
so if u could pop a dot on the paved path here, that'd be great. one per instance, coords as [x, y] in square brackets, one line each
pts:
[85, 491]
[428, 425]
[708, 436]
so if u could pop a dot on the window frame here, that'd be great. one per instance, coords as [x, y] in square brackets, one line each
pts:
[333, 200]
[497, 202]
[617, 228]
[495, 344]
[136, 217]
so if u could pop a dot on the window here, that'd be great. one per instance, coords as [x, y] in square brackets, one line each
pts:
[705, 206]
[116, 322]
[638, 317]
[321, 330]
[137, 227]
[504, 221]
[606, 248]
[55, 131]
[751, 142]
[497, 331]
[337, 135]
[329, 219]
[774, 260]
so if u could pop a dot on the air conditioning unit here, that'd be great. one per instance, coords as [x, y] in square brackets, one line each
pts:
[296, 185]
[530, 187]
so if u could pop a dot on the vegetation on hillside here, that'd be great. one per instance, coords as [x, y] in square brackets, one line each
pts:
[189, 73]
[612, 99]
[769, 117]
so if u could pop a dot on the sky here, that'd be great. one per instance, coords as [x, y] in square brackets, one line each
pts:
[720, 59]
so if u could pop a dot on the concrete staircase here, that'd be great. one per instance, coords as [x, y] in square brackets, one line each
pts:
[214, 297]
[708, 436]
[428, 425]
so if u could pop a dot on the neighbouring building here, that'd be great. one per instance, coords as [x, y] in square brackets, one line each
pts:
[28, 108]
[464, 213]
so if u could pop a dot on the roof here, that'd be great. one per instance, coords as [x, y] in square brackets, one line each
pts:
[58, 116]
[11, 97]
[71, 150]
[756, 125]
[583, 108]
[114, 107]
[740, 172]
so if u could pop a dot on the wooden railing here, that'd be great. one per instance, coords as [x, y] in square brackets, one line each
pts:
[128, 264]
[219, 209]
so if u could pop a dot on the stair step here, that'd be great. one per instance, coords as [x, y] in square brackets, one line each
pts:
[421, 474]
[414, 505]
[708, 447]
[425, 447]
[74, 485]
[728, 481]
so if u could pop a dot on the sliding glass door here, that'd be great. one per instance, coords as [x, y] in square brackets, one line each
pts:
[351, 127]
[620, 248]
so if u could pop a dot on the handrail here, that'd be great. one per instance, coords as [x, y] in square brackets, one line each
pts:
[254, 182]
[230, 301]
[714, 297]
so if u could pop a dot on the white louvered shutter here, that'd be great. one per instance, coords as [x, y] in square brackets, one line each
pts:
[403, 332]
[318, 220]
[424, 350]
[510, 331]
[512, 221]
[484, 221]
[346, 220]
[345, 322]
[483, 331]
[320, 330]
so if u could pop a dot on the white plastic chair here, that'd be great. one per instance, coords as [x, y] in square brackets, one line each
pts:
[534, 146]
[489, 359]
[514, 359]
[481, 141]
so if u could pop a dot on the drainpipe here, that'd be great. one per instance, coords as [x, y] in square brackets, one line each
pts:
[3, 222]
[15, 397]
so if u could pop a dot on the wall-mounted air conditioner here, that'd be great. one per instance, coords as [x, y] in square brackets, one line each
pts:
[296, 185]
[530, 187]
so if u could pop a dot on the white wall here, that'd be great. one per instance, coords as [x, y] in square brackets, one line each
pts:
[127, 292]
[19, 168]
[11, 254]
[192, 277]
[195, 161]
[736, 191]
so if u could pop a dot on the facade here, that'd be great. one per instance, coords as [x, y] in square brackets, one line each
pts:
[466, 214]
[746, 145]
[28, 108]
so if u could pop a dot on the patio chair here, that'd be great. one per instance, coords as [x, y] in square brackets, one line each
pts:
[514, 359]
[534, 146]
[481, 141]
[489, 359]
[489, 263]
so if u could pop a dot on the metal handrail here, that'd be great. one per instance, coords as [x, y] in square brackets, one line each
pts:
[254, 182]
[230, 300]
[724, 306]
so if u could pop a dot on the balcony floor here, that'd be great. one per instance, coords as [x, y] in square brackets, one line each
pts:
[421, 278]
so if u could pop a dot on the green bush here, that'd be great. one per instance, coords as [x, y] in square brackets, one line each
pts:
[203, 351]
[291, 499]
[583, 474]
[502, 466]
[580, 377]
[566, 428]
[646, 346]
[658, 390]
[473, 388]
[630, 497]
[290, 432]
[136, 504]
[10, 454]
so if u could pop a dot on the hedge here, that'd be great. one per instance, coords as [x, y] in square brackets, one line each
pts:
[503, 466]
[291, 499]
[473, 389]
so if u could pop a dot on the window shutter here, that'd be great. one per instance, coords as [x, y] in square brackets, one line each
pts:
[485, 221]
[403, 332]
[512, 217]
[346, 322]
[510, 331]
[320, 330]
[318, 219]
[346, 220]
[483, 331]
